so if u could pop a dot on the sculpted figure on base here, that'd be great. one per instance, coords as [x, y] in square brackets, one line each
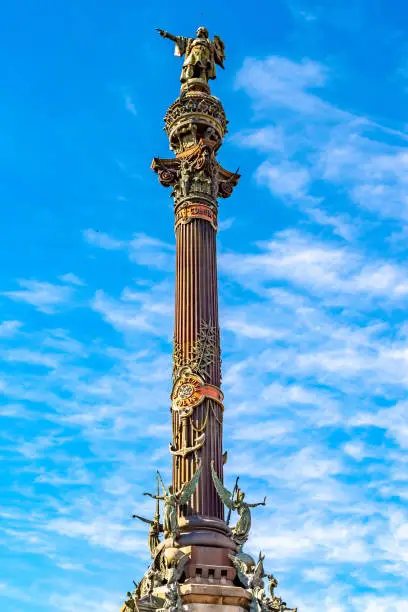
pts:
[173, 601]
[156, 527]
[153, 537]
[172, 501]
[250, 575]
[130, 604]
[201, 54]
[243, 526]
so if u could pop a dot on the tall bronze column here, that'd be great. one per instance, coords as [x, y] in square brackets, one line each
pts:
[196, 125]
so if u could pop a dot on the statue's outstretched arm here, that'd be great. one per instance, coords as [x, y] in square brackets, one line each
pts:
[142, 519]
[262, 503]
[160, 498]
[167, 35]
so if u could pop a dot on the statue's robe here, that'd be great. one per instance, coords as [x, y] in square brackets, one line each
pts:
[198, 52]
[243, 526]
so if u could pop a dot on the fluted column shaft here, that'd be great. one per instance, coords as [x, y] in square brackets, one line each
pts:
[196, 304]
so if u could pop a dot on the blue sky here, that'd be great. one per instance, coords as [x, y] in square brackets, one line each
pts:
[313, 293]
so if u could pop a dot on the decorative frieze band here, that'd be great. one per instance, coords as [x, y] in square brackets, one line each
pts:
[196, 211]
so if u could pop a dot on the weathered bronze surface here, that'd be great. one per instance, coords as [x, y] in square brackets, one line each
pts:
[243, 526]
[172, 501]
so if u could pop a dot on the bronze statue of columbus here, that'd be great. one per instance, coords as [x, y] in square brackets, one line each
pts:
[201, 54]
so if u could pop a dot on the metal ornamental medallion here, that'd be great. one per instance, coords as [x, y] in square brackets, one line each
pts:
[187, 393]
[190, 390]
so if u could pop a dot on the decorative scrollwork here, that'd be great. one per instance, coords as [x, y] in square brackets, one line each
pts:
[178, 359]
[167, 177]
[206, 348]
[204, 352]
[196, 172]
[200, 104]
[200, 162]
[225, 189]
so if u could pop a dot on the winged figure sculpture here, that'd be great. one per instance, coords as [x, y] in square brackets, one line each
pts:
[241, 530]
[172, 501]
[249, 573]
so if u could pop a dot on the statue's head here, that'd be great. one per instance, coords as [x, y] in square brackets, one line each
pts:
[202, 32]
[240, 496]
[171, 489]
[272, 581]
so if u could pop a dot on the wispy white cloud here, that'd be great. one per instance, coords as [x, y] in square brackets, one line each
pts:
[264, 139]
[318, 574]
[23, 355]
[282, 82]
[147, 310]
[141, 249]
[313, 140]
[342, 225]
[225, 224]
[102, 240]
[71, 602]
[130, 105]
[121, 316]
[61, 340]
[148, 251]
[9, 328]
[36, 446]
[72, 279]
[284, 179]
[317, 266]
[373, 172]
[100, 532]
[44, 296]
[392, 420]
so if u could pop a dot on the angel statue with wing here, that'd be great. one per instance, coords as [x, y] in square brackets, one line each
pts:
[250, 574]
[241, 530]
[172, 501]
[201, 54]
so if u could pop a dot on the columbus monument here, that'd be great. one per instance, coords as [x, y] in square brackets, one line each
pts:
[199, 528]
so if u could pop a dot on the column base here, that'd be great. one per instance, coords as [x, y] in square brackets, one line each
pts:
[203, 531]
[214, 596]
[207, 597]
